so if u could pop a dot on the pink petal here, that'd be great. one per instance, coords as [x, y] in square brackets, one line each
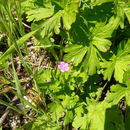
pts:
[63, 66]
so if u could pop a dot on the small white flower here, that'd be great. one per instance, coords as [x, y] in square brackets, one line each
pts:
[29, 100]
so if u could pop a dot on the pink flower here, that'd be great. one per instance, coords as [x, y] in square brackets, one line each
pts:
[63, 66]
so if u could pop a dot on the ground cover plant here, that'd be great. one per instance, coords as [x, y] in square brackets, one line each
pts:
[65, 64]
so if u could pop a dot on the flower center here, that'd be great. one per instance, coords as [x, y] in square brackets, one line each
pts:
[63, 66]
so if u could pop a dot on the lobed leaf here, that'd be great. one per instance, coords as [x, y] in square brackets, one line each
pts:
[99, 118]
[40, 13]
[117, 93]
[91, 61]
[117, 64]
[76, 53]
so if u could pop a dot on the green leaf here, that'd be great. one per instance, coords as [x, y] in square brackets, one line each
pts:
[103, 116]
[69, 13]
[123, 9]
[53, 24]
[39, 13]
[57, 111]
[121, 16]
[75, 54]
[91, 61]
[101, 32]
[117, 93]
[117, 64]
[71, 100]
[123, 48]
[126, 77]
[102, 44]
[43, 77]
[99, 2]
[80, 118]
[28, 4]
[80, 122]
[127, 13]
[68, 117]
[94, 39]
[121, 67]
[126, 8]
[44, 122]
[96, 115]
[109, 68]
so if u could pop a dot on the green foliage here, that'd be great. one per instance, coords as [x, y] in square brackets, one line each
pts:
[80, 118]
[92, 36]
[117, 93]
[40, 13]
[44, 122]
[117, 63]
[65, 11]
[99, 2]
[123, 9]
[76, 53]
[98, 116]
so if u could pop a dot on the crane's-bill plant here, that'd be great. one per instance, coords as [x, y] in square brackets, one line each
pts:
[90, 41]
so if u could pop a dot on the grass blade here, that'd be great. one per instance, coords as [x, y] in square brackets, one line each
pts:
[19, 43]
[10, 106]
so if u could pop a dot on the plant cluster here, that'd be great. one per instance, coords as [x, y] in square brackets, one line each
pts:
[89, 40]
